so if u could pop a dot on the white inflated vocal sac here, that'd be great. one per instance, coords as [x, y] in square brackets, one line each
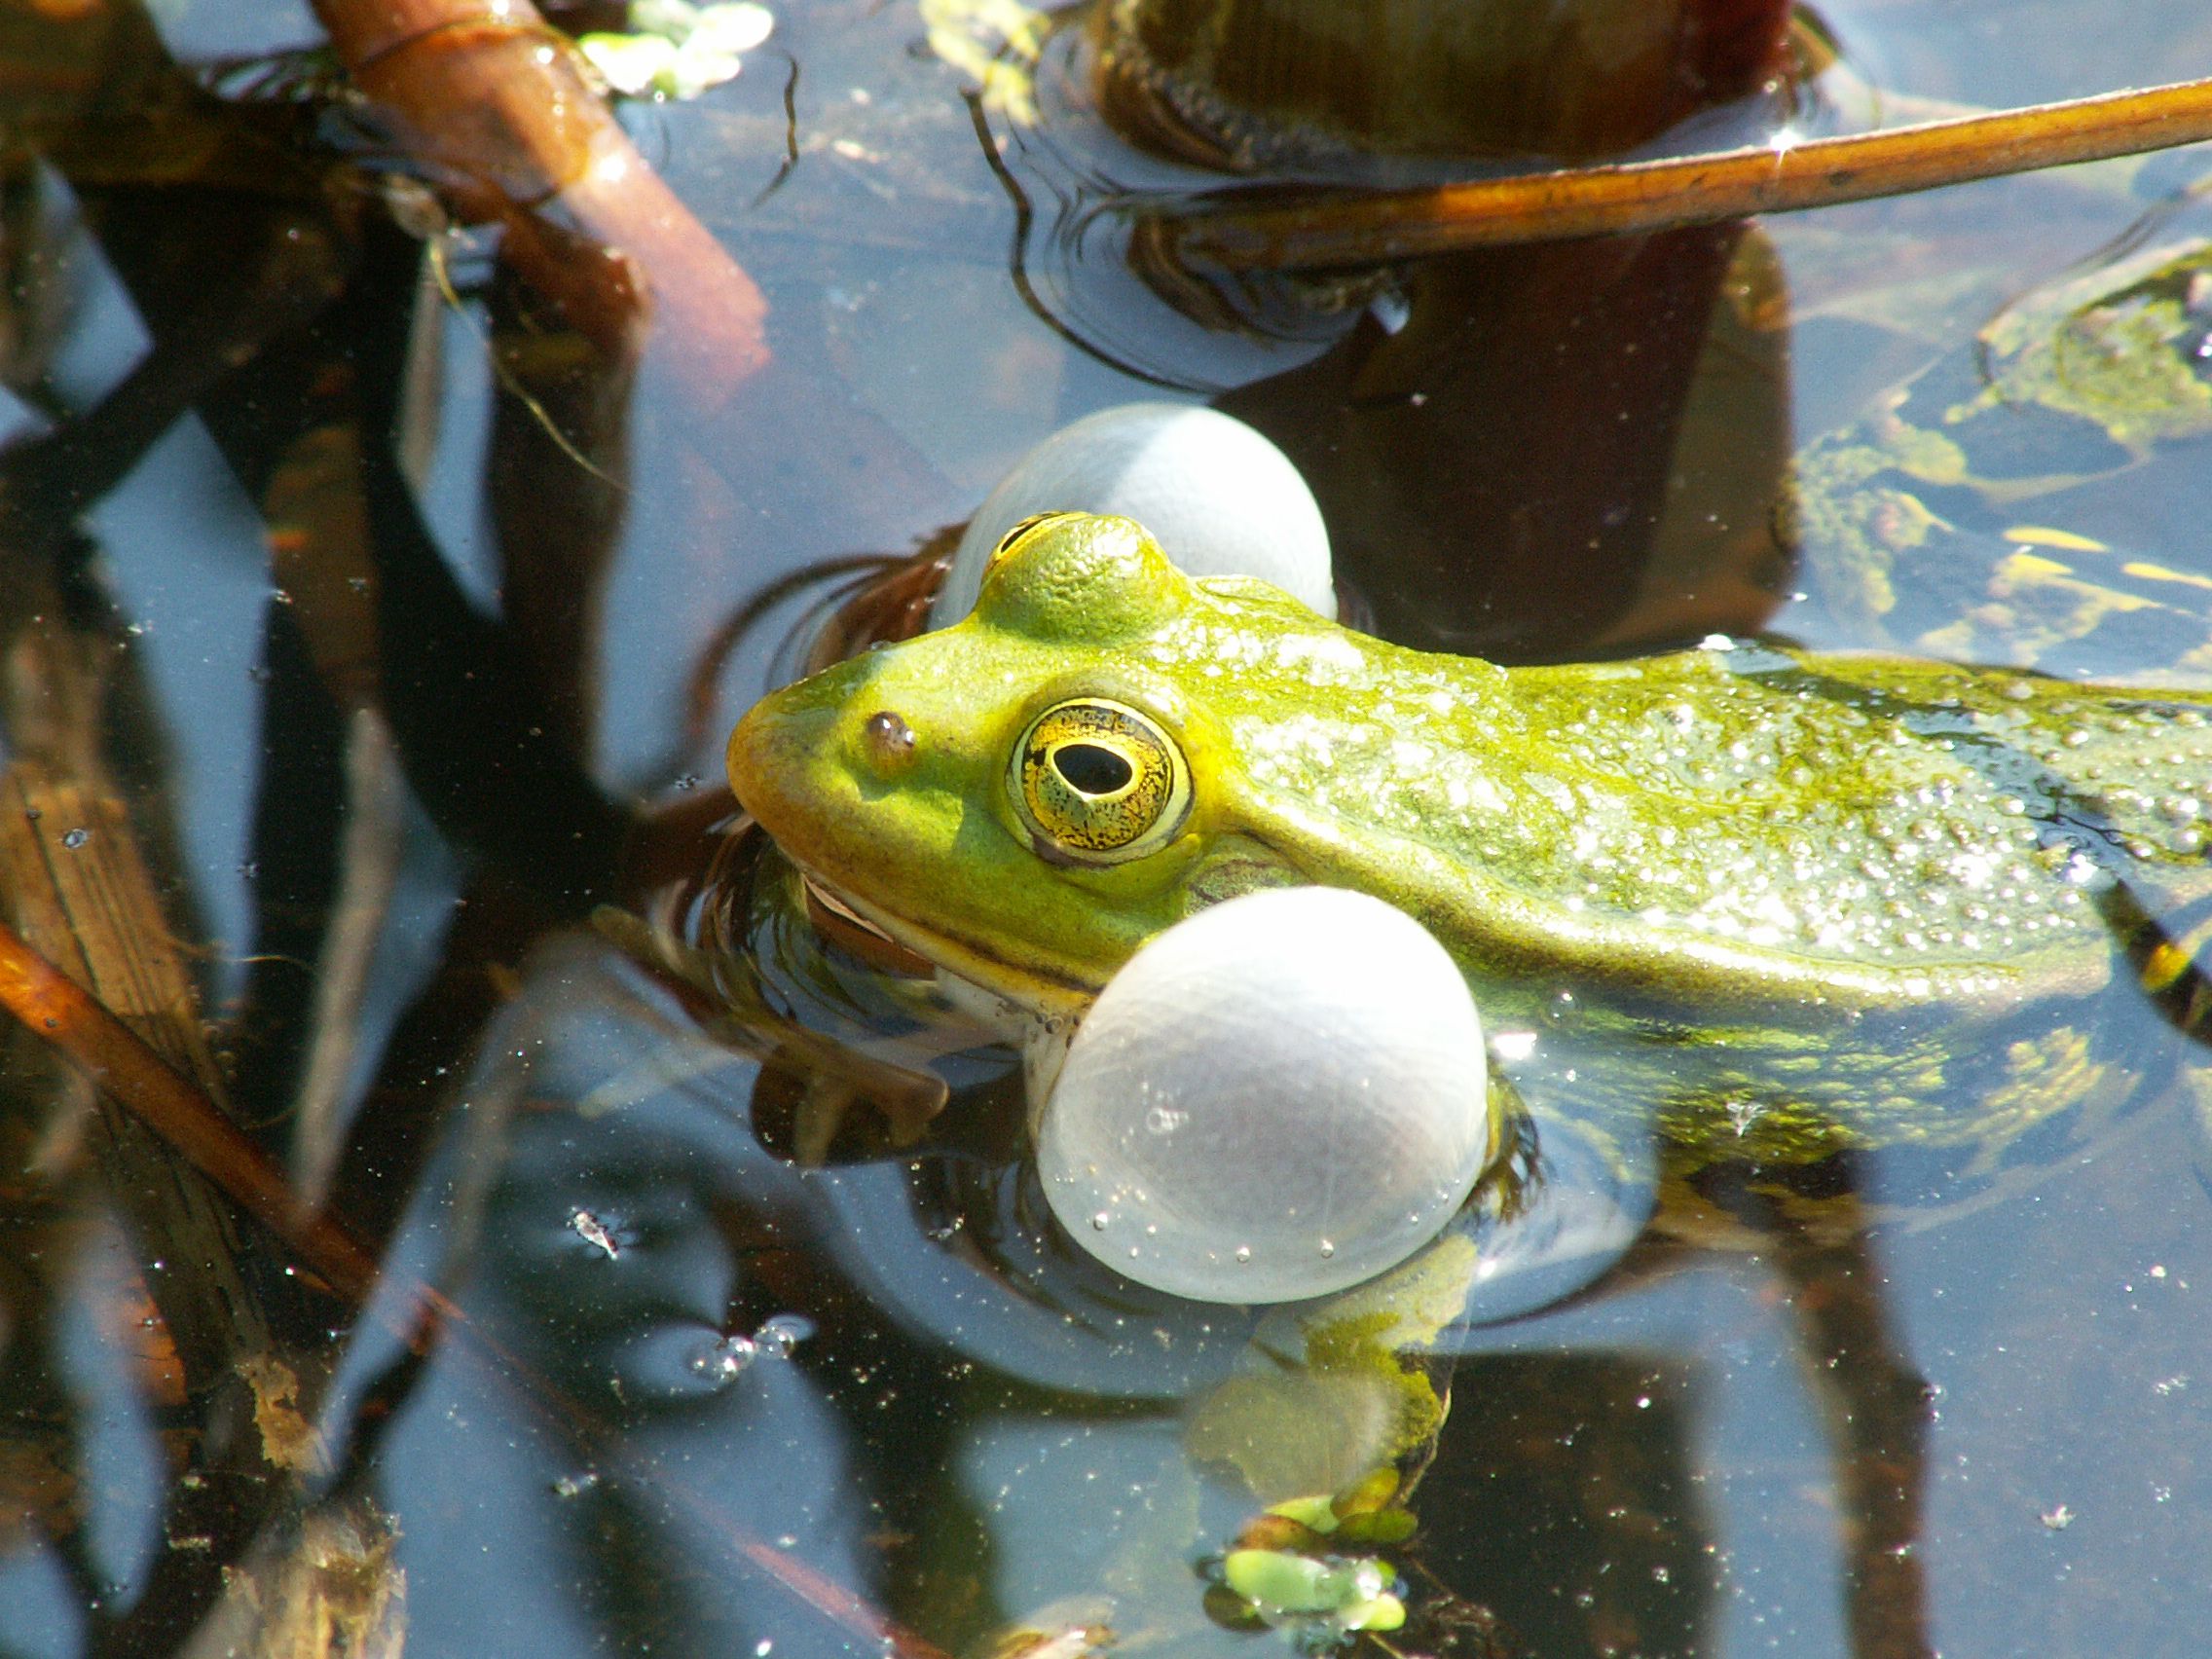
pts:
[1278, 1098]
[1219, 498]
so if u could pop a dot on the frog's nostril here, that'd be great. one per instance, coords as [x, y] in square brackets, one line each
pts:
[889, 742]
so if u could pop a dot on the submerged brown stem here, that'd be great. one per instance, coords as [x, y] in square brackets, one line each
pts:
[47, 1001]
[1689, 189]
[494, 104]
[113, 1056]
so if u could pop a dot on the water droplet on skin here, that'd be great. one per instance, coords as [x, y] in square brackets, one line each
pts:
[1327, 1250]
[75, 839]
[1243, 1253]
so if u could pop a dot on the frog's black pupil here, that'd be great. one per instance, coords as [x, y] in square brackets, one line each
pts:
[1092, 770]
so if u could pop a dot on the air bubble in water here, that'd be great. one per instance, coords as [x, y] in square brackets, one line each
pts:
[780, 1333]
[720, 1362]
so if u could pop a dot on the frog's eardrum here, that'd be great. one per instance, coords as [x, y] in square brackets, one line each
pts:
[1278, 1098]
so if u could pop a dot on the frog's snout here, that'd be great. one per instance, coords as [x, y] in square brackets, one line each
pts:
[773, 751]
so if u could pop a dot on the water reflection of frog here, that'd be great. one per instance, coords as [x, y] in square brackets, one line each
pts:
[1799, 902]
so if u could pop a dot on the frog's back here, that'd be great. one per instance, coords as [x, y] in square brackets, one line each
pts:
[1737, 829]
[1809, 885]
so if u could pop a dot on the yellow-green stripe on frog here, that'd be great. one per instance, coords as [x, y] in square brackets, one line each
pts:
[1775, 902]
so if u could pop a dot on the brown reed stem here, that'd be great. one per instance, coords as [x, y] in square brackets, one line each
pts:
[1688, 190]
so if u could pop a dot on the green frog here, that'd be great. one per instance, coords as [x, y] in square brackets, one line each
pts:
[1740, 905]
[1777, 903]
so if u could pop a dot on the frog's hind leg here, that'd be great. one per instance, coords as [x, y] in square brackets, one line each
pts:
[2171, 950]
[1874, 1404]
[2168, 938]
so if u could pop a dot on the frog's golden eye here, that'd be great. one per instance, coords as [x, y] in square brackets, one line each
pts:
[1096, 782]
[1013, 537]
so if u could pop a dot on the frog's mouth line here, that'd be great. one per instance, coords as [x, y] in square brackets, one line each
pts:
[834, 918]
[902, 947]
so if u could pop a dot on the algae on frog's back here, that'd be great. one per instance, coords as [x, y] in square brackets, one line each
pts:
[1722, 794]
[1775, 884]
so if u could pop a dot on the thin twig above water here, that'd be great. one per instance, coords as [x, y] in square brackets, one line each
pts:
[1319, 232]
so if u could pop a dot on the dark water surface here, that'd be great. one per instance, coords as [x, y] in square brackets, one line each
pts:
[384, 734]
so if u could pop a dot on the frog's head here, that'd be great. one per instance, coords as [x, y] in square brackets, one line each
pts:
[1024, 798]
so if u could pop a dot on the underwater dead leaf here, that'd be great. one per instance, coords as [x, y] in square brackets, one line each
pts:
[38, 1494]
[288, 1440]
[334, 1590]
[75, 881]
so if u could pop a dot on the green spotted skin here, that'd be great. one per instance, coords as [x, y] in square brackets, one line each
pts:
[1780, 904]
